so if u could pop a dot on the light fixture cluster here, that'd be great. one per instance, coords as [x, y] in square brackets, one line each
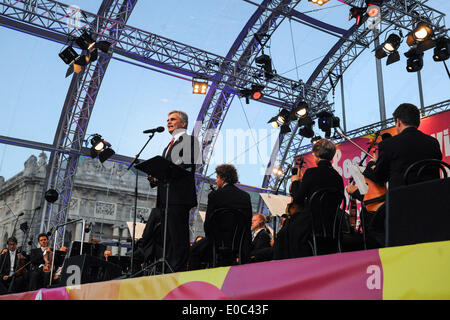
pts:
[372, 9]
[100, 148]
[282, 119]
[199, 86]
[420, 39]
[90, 49]
[327, 121]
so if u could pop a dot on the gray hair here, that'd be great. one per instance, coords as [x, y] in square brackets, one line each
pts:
[324, 149]
[183, 116]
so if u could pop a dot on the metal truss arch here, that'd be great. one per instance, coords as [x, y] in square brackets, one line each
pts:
[395, 14]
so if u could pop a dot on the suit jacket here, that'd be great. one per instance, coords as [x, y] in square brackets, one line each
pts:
[396, 154]
[322, 176]
[36, 257]
[230, 197]
[185, 153]
[5, 263]
[261, 241]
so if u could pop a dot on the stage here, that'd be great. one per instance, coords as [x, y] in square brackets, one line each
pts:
[414, 272]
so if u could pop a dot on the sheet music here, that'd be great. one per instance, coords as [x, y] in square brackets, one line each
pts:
[276, 203]
[360, 181]
[138, 231]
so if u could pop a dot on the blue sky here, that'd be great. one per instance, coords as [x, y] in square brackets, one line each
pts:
[132, 99]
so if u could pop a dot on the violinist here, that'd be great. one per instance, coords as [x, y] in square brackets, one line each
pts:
[396, 154]
[11, 261]
[41, 261]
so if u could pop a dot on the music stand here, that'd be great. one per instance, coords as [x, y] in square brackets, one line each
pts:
[165, 171]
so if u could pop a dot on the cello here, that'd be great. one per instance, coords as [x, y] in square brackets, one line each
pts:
[375, 196]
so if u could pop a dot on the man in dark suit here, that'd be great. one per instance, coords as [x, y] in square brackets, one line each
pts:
[261, 249]
[9, 265]
[396, 154]
[184, 151]
[292, 239]
[227, 196]
[410, 145]
[38, 278]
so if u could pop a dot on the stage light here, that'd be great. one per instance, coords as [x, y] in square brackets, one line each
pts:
[283, 117]
[68, 55]
[285, 128]
[315, 139]
[389, 48]
[442, 49]
[273, 122]
[101, 148]
[301, 110]
[422, 32]
[326, 121]
[307, 131]
[373, 10]
[51, 195]
[199, 87]
[85, 41]
[265, 62]
[319, 2]
[257, 91]
[357, 13]
[415, 60]
[277, 171]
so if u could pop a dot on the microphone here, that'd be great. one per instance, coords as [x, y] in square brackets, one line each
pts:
[159, 129]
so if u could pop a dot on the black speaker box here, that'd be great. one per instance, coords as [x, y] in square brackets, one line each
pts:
[91, 269]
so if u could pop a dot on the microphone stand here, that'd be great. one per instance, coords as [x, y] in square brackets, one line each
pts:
[17, 218]
[133, 238]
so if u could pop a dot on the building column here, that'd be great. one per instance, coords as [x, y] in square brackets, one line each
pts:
[115, 249]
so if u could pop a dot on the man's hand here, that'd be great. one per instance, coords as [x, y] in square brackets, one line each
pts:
[5, 278]
[351, 188]
[295, 178]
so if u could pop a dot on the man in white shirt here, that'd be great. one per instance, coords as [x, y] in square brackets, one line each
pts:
[9, 264]
[38, 278]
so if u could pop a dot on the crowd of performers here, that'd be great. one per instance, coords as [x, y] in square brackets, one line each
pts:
[21, 271]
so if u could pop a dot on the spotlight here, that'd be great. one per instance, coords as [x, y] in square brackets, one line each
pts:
[301, 110]
[51, 195]
[357, 13]
[199, 87]
[327, 121]
[421, 33]
[319, 2]
[389, 47]
[283, 117]
[307, 131]
[265, 62]
[315, 139]
[277, 171]
[101, 148]
[373, 10]
[257, 91]
[442, 49]
[103, 45]
[68, 55]
[85, 41]
[273, 122]
[415, 60]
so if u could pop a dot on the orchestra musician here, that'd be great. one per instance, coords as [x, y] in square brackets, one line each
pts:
[41, 263]
[184, 151]
[291, 241]
[396, 154]
[13, 270]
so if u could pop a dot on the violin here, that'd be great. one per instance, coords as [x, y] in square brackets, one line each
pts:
[48, 257]
[21, 265]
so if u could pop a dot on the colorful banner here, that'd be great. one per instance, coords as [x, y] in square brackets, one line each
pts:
[346, 153]
[407, 272]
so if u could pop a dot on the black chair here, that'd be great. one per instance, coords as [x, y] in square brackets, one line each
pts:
[326, 207]
[230, 234]
[418, 213]
[425, 170]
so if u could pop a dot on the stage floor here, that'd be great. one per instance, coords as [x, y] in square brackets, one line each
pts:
[408, 272]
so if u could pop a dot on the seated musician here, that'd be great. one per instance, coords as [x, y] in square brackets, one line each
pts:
[396, 154]
[261, 249]
[40, 264]
[13, 270]
[292, 239]
[227, 196]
